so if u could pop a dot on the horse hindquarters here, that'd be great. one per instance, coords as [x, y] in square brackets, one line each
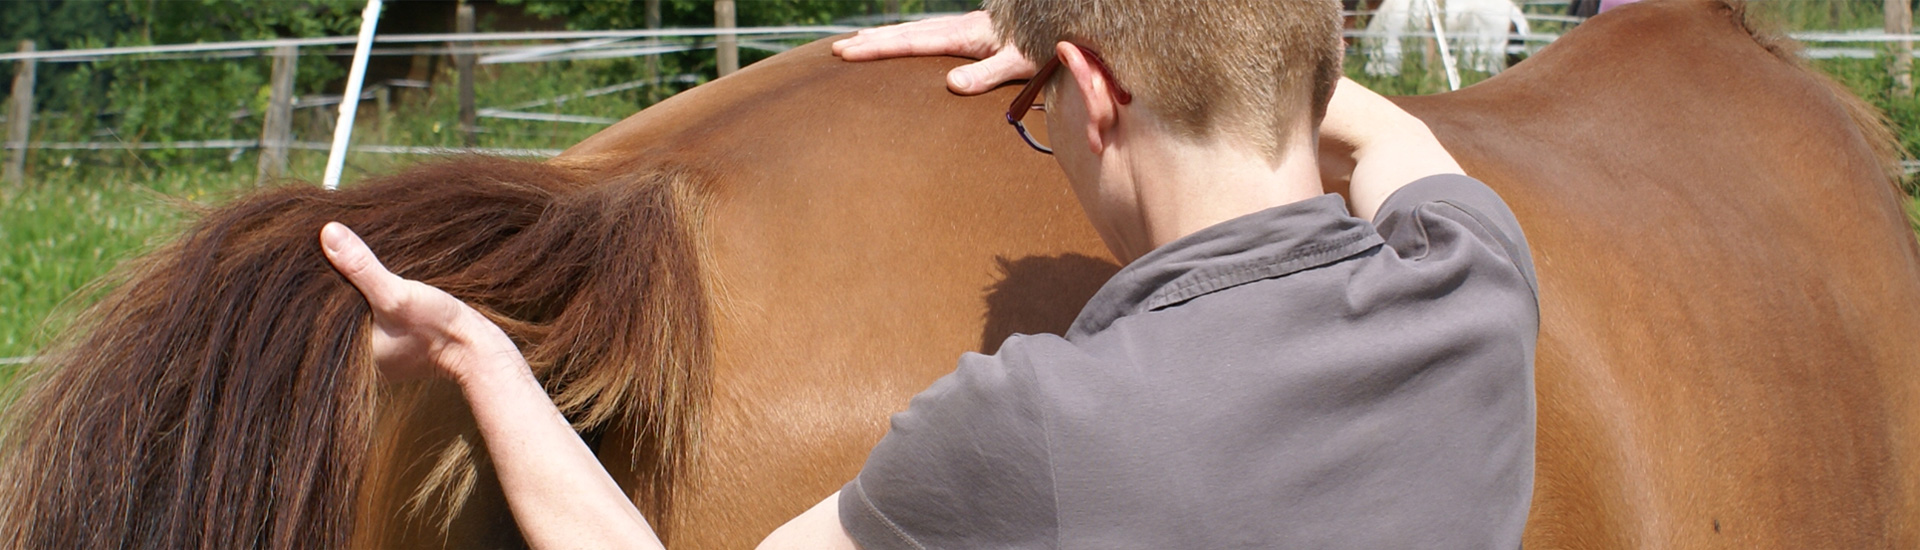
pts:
[1728, 287]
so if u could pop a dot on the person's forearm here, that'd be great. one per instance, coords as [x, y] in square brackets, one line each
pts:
[1393, 161]
[559, 493]
[1377, 147]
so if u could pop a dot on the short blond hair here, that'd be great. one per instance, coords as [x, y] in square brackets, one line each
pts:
[1239, 69]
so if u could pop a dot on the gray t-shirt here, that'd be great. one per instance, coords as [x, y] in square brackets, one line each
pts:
[1293, 378]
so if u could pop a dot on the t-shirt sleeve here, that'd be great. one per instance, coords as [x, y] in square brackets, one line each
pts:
[1453, 198]
[965, 466]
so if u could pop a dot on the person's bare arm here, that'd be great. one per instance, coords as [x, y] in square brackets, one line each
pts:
[1374, 148]
[560, 495]
[816, 529]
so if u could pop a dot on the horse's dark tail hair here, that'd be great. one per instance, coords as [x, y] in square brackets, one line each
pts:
[221, 394]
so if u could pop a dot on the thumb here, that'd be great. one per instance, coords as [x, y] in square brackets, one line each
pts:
[979, 77]
[351, 257]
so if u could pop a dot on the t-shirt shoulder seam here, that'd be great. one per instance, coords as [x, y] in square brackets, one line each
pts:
[866, 505]
[1507, 247]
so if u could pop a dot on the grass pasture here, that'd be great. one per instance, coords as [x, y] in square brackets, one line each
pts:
[83, 212]
[66, 229]
[80, 215]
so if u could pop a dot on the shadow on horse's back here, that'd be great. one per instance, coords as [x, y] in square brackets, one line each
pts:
[730, 291]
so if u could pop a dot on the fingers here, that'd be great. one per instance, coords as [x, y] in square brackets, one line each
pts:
[977, 78]
[969, 35]
[354, 260]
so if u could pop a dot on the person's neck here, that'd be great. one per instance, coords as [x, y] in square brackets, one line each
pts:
[1184, 186]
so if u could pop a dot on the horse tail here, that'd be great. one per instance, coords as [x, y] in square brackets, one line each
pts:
[1868, 119]
[222, 395]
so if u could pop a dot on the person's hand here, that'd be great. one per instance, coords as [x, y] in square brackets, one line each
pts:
[970, 36]
[418, 331]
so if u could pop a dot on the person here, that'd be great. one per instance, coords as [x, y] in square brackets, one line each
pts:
[1275, 365]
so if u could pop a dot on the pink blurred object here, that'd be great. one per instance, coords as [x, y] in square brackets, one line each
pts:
[1611, 4]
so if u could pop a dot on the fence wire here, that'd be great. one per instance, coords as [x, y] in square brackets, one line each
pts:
[613, 44]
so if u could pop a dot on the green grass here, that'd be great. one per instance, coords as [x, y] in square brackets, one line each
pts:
[69, 227]
[1913, 214]
[82, 213]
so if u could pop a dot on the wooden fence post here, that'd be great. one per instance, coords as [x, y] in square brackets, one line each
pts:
[653, 61]
[277, 131]
[1900, 21]
[20, 118]
[726, 45]
[469, 125]
[383, 104]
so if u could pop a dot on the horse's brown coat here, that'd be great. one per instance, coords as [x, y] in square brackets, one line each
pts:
[1729, 290]
[1729, 287]
[1729, 293]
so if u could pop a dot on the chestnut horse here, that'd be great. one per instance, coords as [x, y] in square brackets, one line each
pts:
[730, 291]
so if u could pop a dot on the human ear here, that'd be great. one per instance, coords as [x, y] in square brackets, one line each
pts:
[1103, 108]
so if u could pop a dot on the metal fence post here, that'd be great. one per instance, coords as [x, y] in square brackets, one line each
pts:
[277, 131]
[726, 44]
[350, 98]
[20, 118]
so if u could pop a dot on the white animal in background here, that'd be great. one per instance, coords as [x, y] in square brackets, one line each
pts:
[1476, 29]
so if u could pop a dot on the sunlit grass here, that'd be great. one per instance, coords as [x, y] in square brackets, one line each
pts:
[80, 214]
[1913, 214]
[69, 227]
